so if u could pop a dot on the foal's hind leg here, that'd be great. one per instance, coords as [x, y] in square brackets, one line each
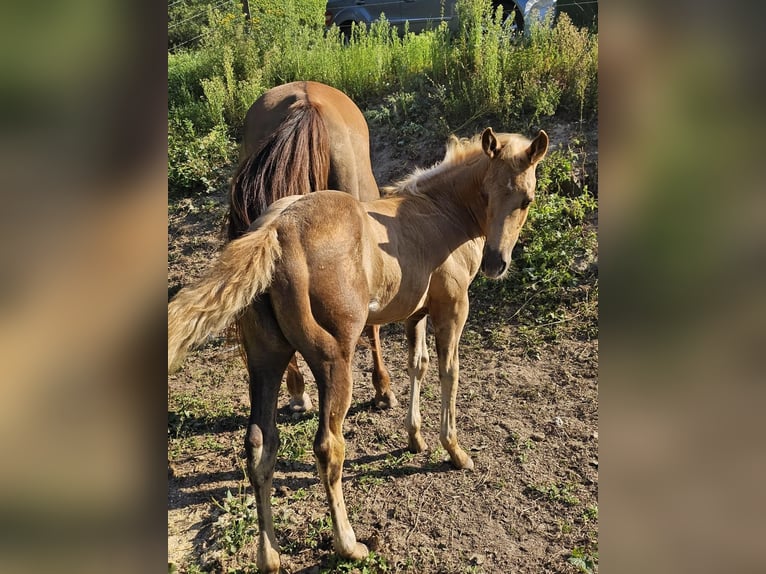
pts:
[384, 396]
[267, 356]
[333, 376]
[299, 399]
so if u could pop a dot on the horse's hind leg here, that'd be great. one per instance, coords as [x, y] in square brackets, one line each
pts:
[329, 448]
[299, 399]
[384, 396]
[417, 366]
[268, 353]
[334, 381]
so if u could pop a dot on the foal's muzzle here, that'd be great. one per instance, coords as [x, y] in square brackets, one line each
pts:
[492, 264]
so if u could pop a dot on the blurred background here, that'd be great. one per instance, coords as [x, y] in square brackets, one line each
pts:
[83, 158]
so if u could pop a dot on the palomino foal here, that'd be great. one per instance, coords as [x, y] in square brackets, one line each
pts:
[316, 269]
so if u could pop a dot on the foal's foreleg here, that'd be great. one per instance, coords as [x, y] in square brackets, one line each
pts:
[384, 396]
[449, 320]
[417, 365]
[299, 399]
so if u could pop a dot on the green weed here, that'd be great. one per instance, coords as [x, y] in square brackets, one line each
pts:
[584, 561]
[554, 493]
[521, 448]
[238, 522]
[319, 531]
[590, 513]
[296, 438]
[483, 70]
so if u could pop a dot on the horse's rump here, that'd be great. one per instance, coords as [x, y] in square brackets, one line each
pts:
[293, 160]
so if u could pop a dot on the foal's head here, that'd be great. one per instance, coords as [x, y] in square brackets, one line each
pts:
[509, 186]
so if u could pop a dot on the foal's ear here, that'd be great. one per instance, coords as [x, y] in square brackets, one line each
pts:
[537, 149]
[489, 143]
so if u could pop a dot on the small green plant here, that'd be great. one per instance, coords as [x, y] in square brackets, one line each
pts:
[238, 521]
[196, 161]
[584, 562]
[296, 438]
[555, 493]
[318, 530]
[437, 456]
[521, 448]
[590, 513]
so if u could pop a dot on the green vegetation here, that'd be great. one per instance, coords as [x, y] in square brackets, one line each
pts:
[297, 437]
[238, 523]
[584, 561]
[562, 492]
[219, 62]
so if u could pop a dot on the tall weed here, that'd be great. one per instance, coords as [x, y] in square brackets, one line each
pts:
[484, 70]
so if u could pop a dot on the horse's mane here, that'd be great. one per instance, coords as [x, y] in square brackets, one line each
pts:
[294, 160]
[465, 151]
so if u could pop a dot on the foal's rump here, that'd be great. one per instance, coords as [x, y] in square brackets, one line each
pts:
[303, 250]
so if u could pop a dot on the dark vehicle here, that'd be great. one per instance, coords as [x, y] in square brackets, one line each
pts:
[422, 14]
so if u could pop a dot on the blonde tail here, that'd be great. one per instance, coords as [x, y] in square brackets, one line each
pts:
[243, 271]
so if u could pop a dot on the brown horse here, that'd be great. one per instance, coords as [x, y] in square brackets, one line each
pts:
[302, 137]
[316, 269]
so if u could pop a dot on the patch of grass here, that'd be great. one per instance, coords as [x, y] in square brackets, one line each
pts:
[319, 532]
[565, 527]
[561, 492]
[590, 513]
[368, 482]
[521, 448]
[296, 438]
[437, 456]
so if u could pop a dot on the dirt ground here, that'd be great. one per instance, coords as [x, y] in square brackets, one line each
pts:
[530, 425]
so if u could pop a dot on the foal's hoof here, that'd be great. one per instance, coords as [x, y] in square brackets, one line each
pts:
[359, 552]
[461, 460]
[386, 401]
[267, 560]
[302, 404]
[417, 444]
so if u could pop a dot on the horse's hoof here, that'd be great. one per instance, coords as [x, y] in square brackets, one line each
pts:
[267, 560]
[302, 404]
[387, 401]
[417, 444]
[461, 460]
[359, 552]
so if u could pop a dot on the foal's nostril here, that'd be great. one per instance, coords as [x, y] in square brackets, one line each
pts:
[493, 264]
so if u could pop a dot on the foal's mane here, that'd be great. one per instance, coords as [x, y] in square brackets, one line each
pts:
[460, 151]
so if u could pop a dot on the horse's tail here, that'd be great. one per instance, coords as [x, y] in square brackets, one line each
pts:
[294, 160]
[243, 270]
